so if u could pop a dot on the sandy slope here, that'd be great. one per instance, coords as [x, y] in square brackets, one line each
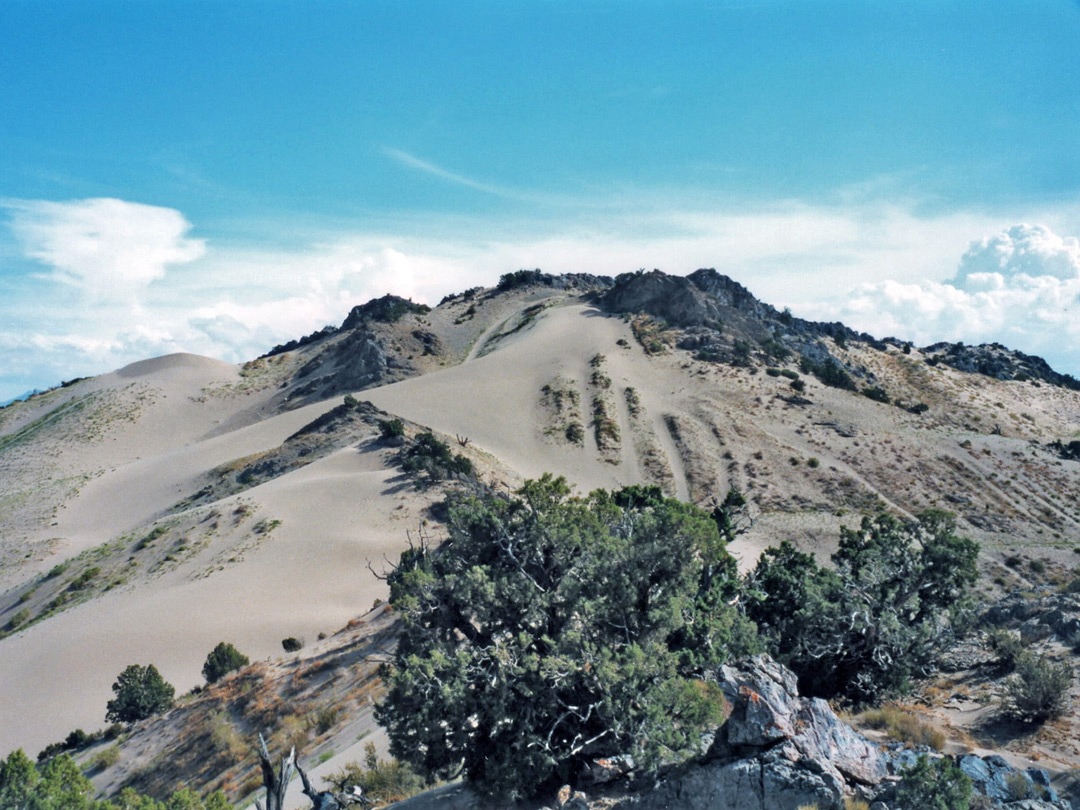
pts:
[494, 399]
[308, 576]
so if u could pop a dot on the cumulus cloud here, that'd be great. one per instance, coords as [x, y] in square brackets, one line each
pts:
[1019, 287]
[124, 303]
[107, 247]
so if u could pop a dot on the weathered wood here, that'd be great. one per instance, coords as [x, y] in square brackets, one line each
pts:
[276, 783]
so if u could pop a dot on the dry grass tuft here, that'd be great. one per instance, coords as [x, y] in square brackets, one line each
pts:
[903, 726]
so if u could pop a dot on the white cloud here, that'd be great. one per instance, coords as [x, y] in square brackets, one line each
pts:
[1019, 287]
[234, 302]
[107, 247]
[1023, 250]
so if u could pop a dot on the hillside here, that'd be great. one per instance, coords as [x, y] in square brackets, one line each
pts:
[150, 513]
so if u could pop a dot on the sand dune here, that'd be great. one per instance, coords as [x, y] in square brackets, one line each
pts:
[494, 399]
[309, 576]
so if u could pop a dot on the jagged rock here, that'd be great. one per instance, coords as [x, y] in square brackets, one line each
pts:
[743, 785]
[776, 751]
[1057, 614]
[766, 708]
[999, 362]
[730, 293]
[991, 776]
[672, 298]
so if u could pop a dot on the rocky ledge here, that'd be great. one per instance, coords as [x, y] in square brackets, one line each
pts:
[780, 751]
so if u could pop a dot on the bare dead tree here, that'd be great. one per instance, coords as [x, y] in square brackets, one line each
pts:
[462, 440]
[276, 783]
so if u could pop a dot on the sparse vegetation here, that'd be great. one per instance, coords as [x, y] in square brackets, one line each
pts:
[140, 692]
[934, 784]
[1038, 690]
[382, 781]
[222, 660]
[903, 726]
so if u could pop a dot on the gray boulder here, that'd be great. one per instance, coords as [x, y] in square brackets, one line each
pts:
[776, 751]
[767, 709]
[995, 778]
[672, 298]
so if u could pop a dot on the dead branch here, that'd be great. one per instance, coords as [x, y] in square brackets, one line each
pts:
[275, 783]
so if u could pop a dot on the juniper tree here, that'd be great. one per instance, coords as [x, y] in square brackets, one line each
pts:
[549, 629]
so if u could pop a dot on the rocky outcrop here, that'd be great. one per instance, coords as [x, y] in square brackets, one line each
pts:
[673, 298]
[995, 778]
[777, 751]
[1055, 614]
[780, 751]
[730, 293]
[388, 309]
[997, 361]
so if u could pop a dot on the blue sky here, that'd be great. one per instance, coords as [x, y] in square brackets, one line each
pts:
[217, 177]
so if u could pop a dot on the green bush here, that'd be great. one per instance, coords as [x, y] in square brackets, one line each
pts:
[548, 630]
[876, 393]
[292, 644]
[878, 617]
[1038, 690]
[391, 428]
[520, 278]
[140, 692]
[1006, 645]
[934, 784]
[20, 618]
[432, 459]
[223, 659]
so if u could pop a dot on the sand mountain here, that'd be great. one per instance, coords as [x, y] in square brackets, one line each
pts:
[150, 513]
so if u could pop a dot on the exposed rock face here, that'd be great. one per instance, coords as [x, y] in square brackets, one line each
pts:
[673, 298]
[999, 362]
[1056, 614]
[777, 751]
[780, 751]
[991, 777]
[730, 293]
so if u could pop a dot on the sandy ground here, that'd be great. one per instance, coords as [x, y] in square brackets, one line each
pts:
[308, 576]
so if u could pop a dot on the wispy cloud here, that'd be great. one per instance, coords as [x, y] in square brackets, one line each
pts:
[419, 164]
